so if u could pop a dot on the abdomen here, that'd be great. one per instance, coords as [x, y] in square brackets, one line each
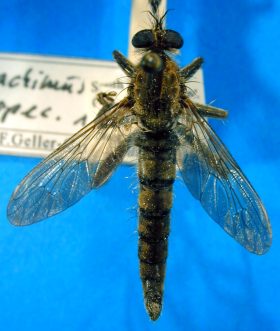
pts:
[156, 171]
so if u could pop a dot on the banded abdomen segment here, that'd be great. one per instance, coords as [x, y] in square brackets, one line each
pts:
[156, 171]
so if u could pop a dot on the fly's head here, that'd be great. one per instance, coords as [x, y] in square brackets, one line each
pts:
[157, 39]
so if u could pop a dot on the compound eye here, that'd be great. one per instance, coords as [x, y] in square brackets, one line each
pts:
[172, 39]
[143, 39]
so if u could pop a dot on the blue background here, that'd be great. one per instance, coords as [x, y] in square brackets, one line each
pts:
[79, 270]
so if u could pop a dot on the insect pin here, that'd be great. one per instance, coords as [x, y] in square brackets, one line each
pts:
[170, 130]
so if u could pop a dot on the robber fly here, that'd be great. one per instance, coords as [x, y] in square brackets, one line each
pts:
[158, 117]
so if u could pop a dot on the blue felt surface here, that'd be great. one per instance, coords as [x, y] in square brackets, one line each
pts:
[79, 271]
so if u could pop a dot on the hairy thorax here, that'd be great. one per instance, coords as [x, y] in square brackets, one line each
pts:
[157, 107]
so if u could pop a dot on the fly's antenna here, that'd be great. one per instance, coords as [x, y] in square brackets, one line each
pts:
[158, 19]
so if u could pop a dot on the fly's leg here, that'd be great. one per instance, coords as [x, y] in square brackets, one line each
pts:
[188, 71]
[106, 99]
[209, 111]
[204, 110]
[124, 63]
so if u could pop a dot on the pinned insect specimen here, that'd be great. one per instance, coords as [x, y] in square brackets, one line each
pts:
[158, 117]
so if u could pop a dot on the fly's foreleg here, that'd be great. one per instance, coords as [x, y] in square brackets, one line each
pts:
[188, 71]
[124, 63]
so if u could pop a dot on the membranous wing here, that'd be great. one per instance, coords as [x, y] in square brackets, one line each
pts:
[214, 178]
[85, 161]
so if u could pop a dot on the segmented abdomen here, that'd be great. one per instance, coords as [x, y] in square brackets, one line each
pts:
[156, 171]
